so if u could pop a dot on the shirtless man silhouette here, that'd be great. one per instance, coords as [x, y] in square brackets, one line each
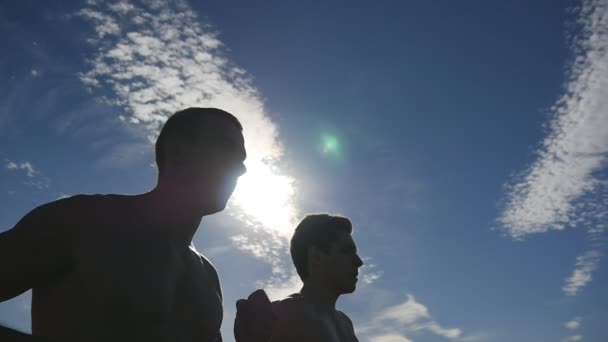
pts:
[325, 257]
[122, 267]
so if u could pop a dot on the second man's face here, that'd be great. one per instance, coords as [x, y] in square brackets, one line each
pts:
[341, 265]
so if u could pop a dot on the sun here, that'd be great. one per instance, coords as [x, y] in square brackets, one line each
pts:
[266, 197]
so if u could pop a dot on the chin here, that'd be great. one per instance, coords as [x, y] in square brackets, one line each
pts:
[210, 207]
[348, 289]
[216, 208]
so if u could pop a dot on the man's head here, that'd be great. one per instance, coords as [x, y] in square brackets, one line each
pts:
[322, 250]
[200, 154]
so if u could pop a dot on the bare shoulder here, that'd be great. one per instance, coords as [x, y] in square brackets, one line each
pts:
[61, 210]
[344, 318]
[53, 224]
[298, 322]
[39, 248]
[294, 317]
[345, 327]
[290, 308]
[208, 268]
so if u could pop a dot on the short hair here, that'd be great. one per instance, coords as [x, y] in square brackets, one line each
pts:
[186, 125]
[319, 230]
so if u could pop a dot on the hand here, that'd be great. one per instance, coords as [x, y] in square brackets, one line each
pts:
[255, 319]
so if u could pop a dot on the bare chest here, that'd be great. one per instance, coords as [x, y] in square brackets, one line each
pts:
[143, 286]
[303, 324]
[334, 330]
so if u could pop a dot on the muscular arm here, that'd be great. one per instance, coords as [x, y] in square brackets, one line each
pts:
[32, 253]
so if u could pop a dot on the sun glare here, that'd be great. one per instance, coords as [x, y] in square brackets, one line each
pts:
[266, 197]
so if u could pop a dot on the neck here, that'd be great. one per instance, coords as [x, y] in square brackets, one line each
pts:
[319, 296]
[165, 209]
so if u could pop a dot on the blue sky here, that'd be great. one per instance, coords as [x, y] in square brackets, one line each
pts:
[467, 141]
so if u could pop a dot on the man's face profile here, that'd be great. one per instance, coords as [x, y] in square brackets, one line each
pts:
[213, 164]
[340, 266]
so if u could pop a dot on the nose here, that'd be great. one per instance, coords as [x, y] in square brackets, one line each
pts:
[242, 169]
[359, 261]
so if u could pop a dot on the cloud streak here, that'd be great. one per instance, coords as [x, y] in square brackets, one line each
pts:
[34, 177]
[396, 323]
[565, 186]
[576, 147]
[573, 324]
[573, 338]
[25, 166]
[582, 274]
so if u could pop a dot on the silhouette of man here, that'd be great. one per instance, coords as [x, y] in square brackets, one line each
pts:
[122, 267]
[325, 257]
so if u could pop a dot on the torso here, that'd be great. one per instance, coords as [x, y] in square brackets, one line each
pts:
[126, 278]
[297, 317]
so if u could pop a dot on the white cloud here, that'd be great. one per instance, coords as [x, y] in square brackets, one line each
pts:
[121, 7]
[369, 272]
[371, 277]
[451, 333]
[34, 72]
[408, 312]
[406, 318]
[573, 324]
[25, 166]
[104, 24]
[281, 287]
[582, 274]
[476, 337]
[34, 177]
[62, 196]
[561, 188]
[573, 338]
[390, 338]
[576, 146]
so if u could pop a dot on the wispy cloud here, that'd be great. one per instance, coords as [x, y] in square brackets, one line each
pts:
[399, 322]
[576, 147]
[281, 286]
[271, 247]
[574, 323]
[390, 338]
[563, 187]
[582, 274]
[25, 166]
[62, 196]
[573, 338]
[34, 177]
[369, 273]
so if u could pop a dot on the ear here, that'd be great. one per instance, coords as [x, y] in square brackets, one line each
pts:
[315, 257]
[177, 153]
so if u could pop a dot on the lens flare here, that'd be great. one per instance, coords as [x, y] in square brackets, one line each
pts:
[330, 145]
